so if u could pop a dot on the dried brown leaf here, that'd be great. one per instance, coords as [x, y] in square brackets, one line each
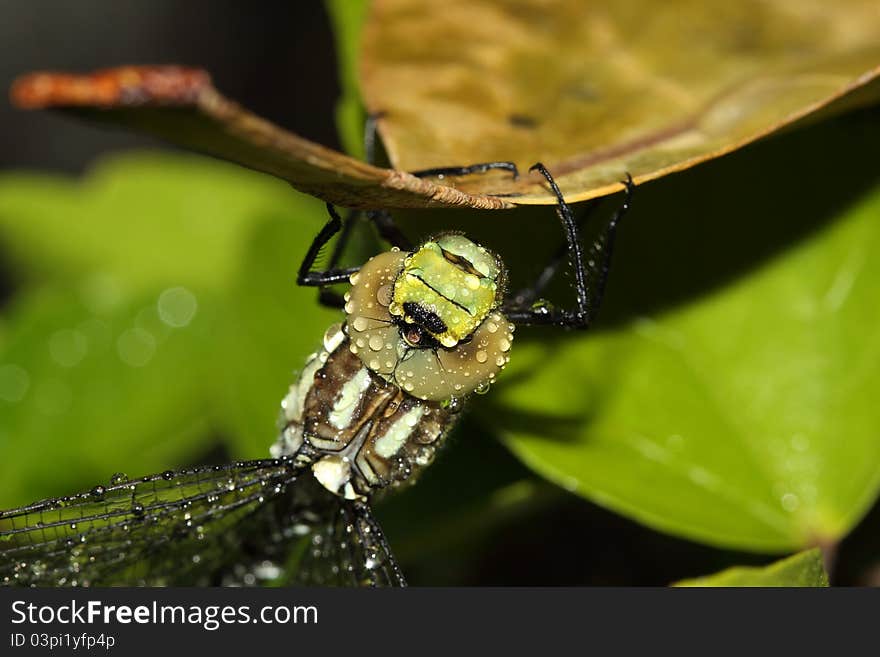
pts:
[597, 89]
[181, 106]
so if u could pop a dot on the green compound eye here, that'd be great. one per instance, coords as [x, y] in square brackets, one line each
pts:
[447, 287]
[424, 373]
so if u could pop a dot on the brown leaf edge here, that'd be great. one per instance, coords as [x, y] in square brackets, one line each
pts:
[181, 105]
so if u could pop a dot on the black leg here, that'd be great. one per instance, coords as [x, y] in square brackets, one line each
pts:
[527, 295]
[385, 225]
[483, 167]
[388, 230]
[330, 276]
[381, 219]
[596, 265]
[439, 172]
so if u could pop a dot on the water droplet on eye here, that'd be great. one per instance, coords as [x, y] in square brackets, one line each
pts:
[359, 324]
[376, 343]
[354, 278]
[483, 388]
[492, 327]
[504, 344]
[408, 386]
[118, 478]
[481, 356]
[501, 361]
[374, 364]
[384, 295]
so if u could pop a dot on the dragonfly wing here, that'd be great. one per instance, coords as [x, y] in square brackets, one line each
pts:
[198, 526]
[349, 550]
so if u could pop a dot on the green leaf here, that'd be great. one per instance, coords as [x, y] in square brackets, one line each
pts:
[348, 17]
[802, 569]
[86, 393]
[136, 220]
[746, 418]
[270, 326]
[156, 313]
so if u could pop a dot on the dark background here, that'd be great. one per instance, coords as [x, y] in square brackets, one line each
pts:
[278, 60]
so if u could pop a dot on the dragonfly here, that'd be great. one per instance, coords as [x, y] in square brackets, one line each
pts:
[424, 328]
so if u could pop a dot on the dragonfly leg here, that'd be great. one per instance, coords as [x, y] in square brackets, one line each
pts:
[523, 310]
[321, 279]
[482, 167]
[527, 295]
[438, 172]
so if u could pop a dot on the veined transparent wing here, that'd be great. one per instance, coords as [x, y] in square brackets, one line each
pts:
[350, 550]
[243, 523]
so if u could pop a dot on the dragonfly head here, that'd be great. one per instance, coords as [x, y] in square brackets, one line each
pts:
[428, 321]
[445, 290]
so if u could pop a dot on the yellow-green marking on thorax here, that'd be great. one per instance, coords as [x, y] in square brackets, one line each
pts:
[453, 278]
